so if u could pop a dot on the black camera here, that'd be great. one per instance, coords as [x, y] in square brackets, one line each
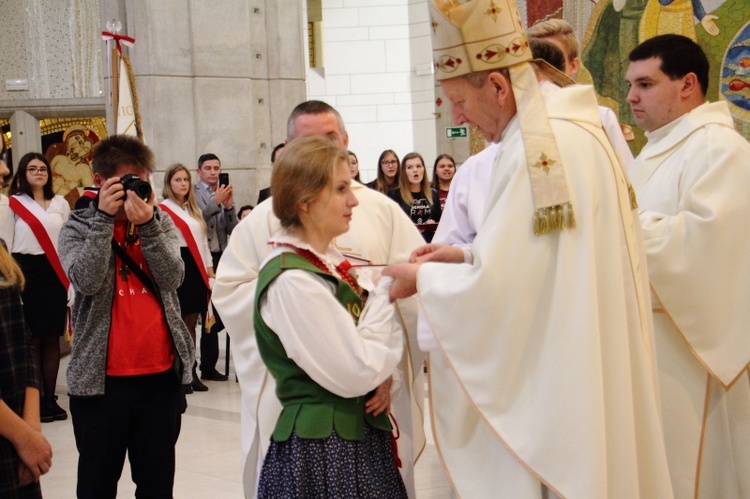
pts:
[132, 182]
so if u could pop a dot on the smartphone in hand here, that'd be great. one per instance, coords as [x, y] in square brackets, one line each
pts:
[223, 179]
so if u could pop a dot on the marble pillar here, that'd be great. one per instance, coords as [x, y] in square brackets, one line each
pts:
[216, 77]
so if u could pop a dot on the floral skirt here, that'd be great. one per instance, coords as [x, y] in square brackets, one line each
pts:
[332, 467]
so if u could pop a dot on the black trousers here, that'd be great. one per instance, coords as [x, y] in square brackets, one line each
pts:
[210, 339]
[139, 415]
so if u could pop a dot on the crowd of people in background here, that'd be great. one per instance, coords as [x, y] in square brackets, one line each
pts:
[317, 285]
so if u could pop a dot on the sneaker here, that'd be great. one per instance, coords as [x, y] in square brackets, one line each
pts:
[50, 409]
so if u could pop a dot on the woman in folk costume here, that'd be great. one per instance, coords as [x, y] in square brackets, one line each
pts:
[180, 204]
[30, 234]
[326, 350]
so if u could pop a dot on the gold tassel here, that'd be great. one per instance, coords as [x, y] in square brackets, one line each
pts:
[633, 200]
[570, 219]
[554, 218]
[541, 222]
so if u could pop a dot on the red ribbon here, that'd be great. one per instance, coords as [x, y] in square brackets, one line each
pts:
[106, 35]
[394, 438]
[42, 238]
[191, 242]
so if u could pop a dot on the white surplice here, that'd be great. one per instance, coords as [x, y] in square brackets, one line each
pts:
[464, 209]
[545, 375]
[692, 180]
[380, 233]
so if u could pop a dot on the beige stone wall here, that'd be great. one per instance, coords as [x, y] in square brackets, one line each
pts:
[217, 77]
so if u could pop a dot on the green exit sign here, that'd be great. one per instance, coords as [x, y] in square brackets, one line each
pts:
[456, 132]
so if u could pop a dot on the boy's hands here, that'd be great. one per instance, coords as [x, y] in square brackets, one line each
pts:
[113, 198]
[137, 210]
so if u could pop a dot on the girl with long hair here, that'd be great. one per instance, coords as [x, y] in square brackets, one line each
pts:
[442, 175]
[388, 172]
[415, 196]
[180, 203]
[353, 166]
[30, 232]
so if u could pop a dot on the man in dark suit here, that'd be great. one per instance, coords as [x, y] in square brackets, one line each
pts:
[217, 205]
[264, 194]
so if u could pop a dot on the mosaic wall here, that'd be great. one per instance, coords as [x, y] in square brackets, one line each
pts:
[55, 45]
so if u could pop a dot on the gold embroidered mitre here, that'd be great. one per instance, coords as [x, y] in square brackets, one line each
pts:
[480, 35]
[477, 35]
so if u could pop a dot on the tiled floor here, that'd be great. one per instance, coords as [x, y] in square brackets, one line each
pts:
[208, 451]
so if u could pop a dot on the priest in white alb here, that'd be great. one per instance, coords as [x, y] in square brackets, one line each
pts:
[542, 375]
[692, 180]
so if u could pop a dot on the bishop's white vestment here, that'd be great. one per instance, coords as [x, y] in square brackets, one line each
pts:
[380, 233]
[692, 181]
[545, 373]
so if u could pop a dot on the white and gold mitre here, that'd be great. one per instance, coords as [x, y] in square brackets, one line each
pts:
[476, 35]
[470, 36]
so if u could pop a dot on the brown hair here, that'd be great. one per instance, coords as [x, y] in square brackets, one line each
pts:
[118, 150]
[403, 181]
[20, 184]
[380, 183]
[190, 202]
[435, 180]
[10, 272]
[302, 170]
[557, 28]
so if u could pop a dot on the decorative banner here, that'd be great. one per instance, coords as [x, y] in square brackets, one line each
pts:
[125, 123]
[124, 99]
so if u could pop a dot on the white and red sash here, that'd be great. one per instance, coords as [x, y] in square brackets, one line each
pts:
[24, 207]
[192, 244]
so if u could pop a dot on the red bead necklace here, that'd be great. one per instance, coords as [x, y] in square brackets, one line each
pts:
[342, 269]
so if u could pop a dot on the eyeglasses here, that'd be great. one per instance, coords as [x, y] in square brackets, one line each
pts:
[388, 162]
[33, 169]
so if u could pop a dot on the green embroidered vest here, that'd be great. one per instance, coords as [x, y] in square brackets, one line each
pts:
[309, 409]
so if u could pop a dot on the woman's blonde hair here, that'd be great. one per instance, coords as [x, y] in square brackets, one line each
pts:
[302, 170]
[191, 205]
[403, 180]
[10, 272]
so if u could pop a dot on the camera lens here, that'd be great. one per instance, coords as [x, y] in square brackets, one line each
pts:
[142, 189]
